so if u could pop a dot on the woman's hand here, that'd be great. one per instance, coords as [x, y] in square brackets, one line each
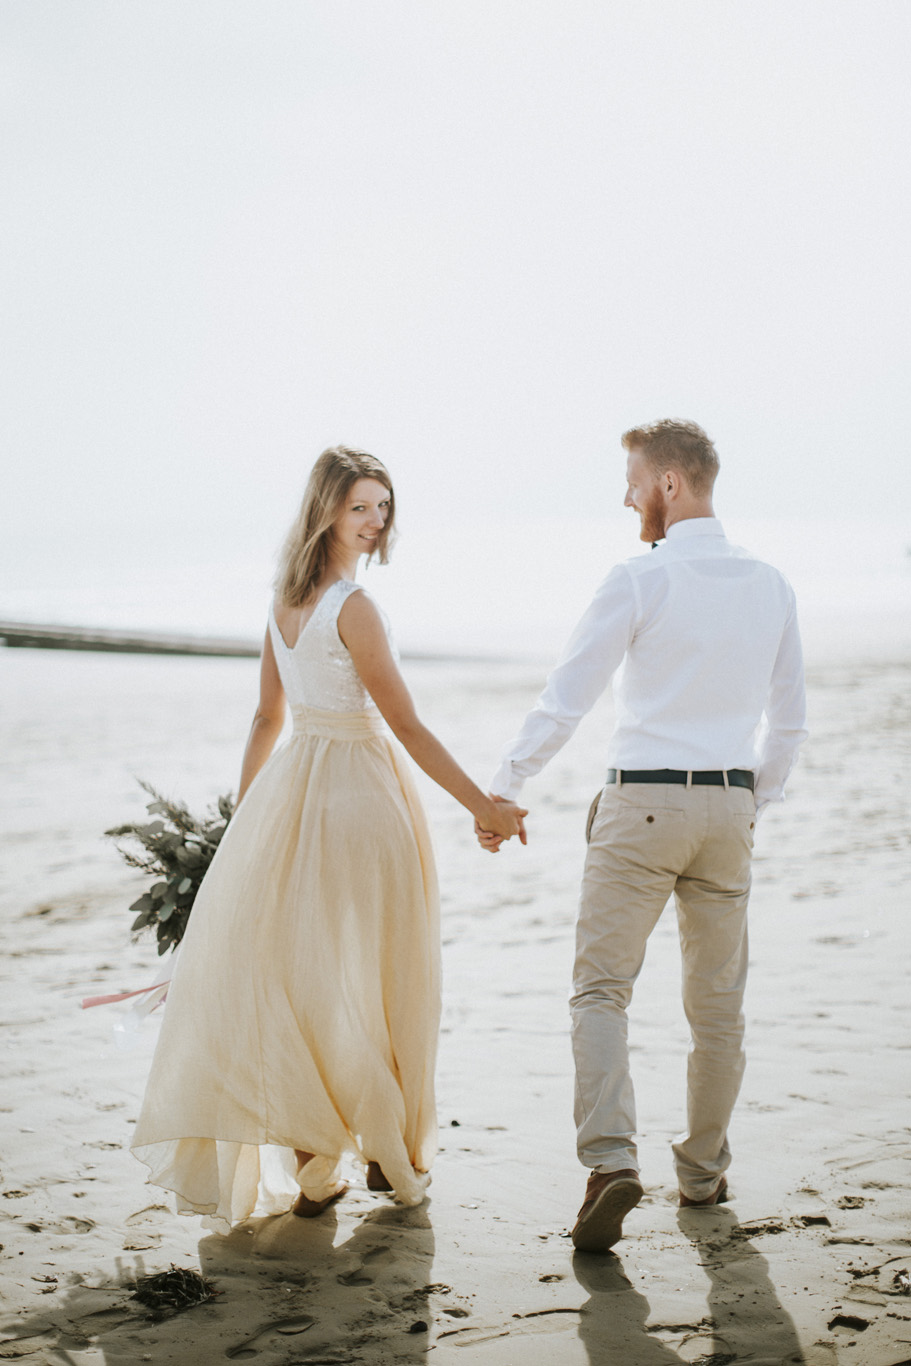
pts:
[500, 820]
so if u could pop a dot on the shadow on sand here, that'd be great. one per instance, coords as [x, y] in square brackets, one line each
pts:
[613, 1320]
[746, 1316]
[289, 1291]
[745, 1320]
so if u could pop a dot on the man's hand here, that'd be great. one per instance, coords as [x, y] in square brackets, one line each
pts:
[490, 841]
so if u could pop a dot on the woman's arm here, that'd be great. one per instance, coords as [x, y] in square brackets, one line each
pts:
[364, 636]
[268, 721]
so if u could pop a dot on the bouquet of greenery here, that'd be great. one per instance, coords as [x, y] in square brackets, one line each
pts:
[176, 850]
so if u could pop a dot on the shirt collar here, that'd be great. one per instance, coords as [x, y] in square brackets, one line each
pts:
[694, 526]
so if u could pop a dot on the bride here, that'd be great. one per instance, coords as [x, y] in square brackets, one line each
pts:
[301, 1024]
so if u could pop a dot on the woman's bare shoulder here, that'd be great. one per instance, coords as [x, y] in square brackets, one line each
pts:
[360, 616]
[359, 606]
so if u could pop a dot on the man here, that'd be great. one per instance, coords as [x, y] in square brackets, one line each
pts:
[710, 713]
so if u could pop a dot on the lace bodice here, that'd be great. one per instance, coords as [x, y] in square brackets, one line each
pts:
[318, 671]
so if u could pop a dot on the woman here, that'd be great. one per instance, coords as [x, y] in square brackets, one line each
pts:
[302, 1021]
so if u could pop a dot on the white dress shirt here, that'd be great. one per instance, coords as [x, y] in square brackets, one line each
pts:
[712, 674]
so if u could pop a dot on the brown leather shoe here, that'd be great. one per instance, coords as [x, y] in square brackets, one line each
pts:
[718, 1197]
[376, 1181]
[305, 1208]
[609, 1197]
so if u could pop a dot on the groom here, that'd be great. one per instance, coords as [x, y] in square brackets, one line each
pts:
[710, 713]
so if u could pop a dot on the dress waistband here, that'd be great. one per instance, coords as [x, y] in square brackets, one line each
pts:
[338, 725]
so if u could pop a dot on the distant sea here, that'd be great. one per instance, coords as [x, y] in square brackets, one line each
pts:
[499, 589]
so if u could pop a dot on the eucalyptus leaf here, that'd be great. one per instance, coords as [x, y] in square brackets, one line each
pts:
[176, 850]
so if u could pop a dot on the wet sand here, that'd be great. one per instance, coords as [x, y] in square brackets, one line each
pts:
[803, 1265]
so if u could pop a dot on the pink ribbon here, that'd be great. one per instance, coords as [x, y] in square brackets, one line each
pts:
[120, 996]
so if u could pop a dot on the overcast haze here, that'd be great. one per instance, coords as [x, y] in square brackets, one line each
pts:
[479, 239]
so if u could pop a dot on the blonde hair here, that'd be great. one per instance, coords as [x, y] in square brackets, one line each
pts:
[305, 554]
[673, 444]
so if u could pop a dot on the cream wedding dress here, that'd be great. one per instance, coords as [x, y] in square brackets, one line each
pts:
[305, 1003]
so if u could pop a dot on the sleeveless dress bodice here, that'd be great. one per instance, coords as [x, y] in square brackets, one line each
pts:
[318, 670]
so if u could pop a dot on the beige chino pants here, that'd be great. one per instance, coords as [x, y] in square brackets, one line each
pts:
[647, 842]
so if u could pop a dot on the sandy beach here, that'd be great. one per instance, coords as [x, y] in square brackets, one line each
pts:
[807, 1263]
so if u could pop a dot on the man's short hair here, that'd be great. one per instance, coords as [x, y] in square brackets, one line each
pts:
[674, 444]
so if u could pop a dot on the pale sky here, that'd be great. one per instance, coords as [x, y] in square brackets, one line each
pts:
[479, 238]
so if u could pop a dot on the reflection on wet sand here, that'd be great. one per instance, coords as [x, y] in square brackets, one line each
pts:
[613, 1320]
[745, 1312]
[744, 1315]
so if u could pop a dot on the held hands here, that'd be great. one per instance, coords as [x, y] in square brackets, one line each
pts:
[503, 820]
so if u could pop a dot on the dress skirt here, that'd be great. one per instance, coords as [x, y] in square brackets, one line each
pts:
[305, 1004]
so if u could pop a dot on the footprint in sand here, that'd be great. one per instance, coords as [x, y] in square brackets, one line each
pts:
[356, 1276]
[73, 1225]
[146, 1236]
[152, 1214]
[244, 1350]
[66, 1225]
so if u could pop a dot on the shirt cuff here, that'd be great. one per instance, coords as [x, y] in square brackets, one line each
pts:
[767, 799]
[505, 783]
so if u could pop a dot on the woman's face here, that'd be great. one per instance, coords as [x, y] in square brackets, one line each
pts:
[365, 512]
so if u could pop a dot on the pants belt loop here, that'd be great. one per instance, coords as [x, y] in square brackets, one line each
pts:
[619, 777]
[689, 779]
[727, 785]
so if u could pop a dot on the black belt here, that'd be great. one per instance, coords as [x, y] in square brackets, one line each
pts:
[737, 777]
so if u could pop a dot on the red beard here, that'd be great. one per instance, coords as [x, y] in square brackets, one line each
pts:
[652, 516]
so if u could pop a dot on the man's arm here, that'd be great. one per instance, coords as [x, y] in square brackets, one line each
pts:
[786, 718]
[595, 649]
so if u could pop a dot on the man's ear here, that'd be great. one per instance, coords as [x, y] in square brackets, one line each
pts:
[670, 484]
